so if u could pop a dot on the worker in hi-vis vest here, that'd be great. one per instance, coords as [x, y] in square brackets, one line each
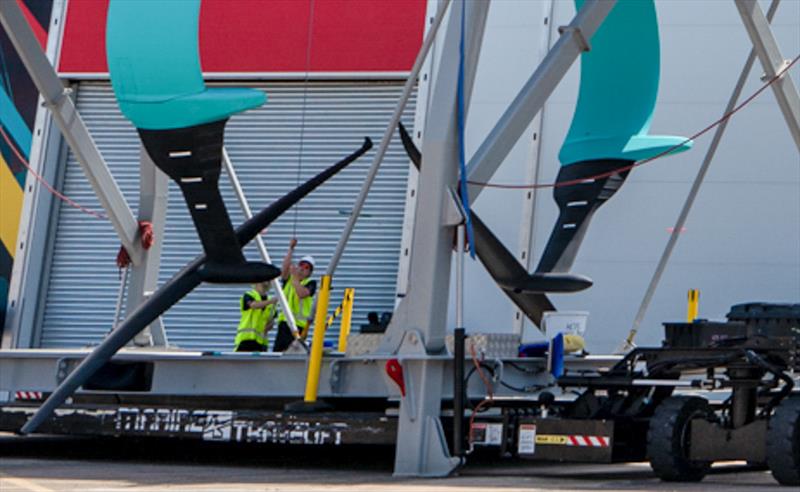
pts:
[299, 290]
[258, 312]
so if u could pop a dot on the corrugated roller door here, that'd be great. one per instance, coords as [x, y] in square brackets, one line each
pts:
[265, 146]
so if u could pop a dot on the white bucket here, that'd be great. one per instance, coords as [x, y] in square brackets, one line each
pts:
[566, 322]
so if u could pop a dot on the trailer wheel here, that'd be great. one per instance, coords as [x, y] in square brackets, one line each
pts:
[783, 442]
[668, 439]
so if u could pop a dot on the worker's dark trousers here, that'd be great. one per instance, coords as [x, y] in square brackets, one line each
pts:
[284, 338]
[251, 346]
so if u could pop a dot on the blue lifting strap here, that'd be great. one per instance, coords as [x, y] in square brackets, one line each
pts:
[555, 356]
[154, 63]
[618, 89]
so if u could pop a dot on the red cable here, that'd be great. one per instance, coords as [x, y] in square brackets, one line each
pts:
[47, 185]
[490, 394]
[480, 370]
[145, 227]
[650, 159]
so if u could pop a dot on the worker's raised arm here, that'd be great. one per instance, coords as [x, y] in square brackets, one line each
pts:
[287, 260]
[302, 290]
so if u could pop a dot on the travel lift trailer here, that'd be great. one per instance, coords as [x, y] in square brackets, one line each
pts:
[400, 391]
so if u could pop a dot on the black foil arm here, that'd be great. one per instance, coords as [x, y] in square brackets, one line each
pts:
[173, 291]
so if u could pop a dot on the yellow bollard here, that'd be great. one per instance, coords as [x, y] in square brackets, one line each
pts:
[694, 301]
[317, 341]
[347, 316]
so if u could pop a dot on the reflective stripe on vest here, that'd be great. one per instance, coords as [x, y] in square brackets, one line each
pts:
[253, 321]
[295, 303]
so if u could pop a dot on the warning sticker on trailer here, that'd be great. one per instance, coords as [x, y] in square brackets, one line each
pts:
[527, 439]
[487, 434]
[551, 439]
[578, 440]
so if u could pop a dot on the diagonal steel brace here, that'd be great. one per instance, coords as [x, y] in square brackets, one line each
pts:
[56, 98]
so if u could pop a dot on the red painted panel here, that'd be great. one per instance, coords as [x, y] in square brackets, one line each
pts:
[83, 47]
[38, 30]
[272, 36]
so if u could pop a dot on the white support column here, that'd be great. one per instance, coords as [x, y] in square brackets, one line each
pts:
[387, 137]
[527, 222]
[419, 322]
[66, 116]
[32, 249]
[153, 198]
[423, 94]
[574, 40]
[773, 62]
[425, 305]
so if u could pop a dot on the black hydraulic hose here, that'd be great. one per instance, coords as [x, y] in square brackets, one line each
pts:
[521, 368]
[627, 363]
[526, 389]
[172, 291]
[700, 362]
[776, 371]
[469, 376]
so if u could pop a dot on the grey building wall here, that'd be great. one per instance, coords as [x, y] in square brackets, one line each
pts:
[742, 239]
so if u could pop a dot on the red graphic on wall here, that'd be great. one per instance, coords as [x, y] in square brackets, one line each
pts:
[253, 36]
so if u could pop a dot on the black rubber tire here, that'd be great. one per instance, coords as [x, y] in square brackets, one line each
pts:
[783, 442]
[757, 465]
[668, 439]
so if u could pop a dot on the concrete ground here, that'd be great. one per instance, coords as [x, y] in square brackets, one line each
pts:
[50, 464]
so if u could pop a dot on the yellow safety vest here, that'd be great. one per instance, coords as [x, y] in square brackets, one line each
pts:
[253, 322]
[300, 308]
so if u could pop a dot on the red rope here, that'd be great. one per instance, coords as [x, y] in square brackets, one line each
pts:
[645, 161]
[47, 185]
[146, 230]
[145, 227]
[147, 238]
[486, 401]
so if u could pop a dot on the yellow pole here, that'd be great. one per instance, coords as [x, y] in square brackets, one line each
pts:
[317, 342]
[347, 316]
[694, 301]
